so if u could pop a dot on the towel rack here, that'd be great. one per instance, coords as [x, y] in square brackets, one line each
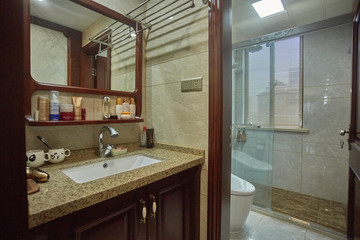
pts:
[117, 32]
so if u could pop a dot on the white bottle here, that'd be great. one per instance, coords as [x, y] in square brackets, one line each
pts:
[143, 138]
[118, 108]
[125, 106]
[132, 108]
[54, 106]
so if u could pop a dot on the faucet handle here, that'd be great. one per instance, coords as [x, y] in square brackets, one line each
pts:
[108, 150]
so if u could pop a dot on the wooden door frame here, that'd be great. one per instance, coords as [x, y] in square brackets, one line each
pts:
[12, 72]
[13, 200]
[354, 141]
[219, 169]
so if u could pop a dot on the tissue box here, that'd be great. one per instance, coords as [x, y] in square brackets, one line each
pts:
[118, 151]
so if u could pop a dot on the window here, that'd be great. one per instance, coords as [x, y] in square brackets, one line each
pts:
[267, 84]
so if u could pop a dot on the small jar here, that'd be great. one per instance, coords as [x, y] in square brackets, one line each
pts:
[66, 112]
[125, 115]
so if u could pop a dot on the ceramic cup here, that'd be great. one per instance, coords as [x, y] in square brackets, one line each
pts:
[36, 158]
[58, 155]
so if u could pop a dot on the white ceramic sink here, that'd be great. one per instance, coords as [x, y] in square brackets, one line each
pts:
[93, 171]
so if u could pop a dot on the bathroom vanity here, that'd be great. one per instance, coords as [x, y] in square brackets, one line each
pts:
[160, 201]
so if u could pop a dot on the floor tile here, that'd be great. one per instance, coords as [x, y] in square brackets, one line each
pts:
[273, 229]
[248, 228]
[310, 235]
[262, 227]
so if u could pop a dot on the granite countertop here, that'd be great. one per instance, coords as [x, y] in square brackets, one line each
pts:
[61, 195]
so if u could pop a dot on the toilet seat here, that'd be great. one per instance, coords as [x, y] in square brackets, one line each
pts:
[241, 187]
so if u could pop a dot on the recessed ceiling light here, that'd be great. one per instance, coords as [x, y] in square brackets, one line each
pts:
[266, 8]
[133, 34]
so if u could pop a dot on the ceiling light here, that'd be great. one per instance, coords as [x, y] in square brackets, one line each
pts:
[266, 8]
[171, 17]
[133, 34]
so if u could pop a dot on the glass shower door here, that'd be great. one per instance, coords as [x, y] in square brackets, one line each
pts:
[252, 146]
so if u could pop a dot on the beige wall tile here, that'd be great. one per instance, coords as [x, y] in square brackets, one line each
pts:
[204, 182]
[325, 177]
[187, 35]
[175, 52]
[72, 137]
[203, 217]
[287, 171]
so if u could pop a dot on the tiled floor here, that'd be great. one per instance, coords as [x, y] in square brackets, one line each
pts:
[262, 227]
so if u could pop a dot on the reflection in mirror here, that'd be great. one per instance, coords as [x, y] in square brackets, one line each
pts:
[48, 55]
[61, 52]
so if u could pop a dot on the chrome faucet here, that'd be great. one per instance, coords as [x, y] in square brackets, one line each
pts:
[104, 152]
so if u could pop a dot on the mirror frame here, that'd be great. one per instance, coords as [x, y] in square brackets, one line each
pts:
[31, 85]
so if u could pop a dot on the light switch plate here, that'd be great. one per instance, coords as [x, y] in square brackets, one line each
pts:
[191, 84]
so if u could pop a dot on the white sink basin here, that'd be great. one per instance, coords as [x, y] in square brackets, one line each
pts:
[93, 171]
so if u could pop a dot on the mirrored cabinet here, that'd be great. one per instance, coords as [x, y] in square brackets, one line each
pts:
[81, 47]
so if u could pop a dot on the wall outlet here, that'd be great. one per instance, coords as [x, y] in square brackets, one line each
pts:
[191, 84]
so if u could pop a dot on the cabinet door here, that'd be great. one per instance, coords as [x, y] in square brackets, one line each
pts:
[174, 212]
[119, 225]
[172, 217]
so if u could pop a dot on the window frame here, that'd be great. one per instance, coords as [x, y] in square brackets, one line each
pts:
[272, 84]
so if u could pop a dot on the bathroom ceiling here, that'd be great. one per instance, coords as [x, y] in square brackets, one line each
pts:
[65, 13]
[248, 25]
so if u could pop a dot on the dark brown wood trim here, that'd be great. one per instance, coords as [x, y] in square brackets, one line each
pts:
[355, 55]
[13, 200]
[51, 25]
[219, 119]
[32, 85]
[353, 136]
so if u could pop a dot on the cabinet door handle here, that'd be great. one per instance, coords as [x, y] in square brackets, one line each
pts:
[143, 219]
[153, 214]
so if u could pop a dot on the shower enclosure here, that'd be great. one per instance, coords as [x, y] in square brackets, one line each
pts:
[266, 80]
[291, 97]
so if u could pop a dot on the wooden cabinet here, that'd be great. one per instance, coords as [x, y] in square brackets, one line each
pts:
[172, 219]
[170, 206]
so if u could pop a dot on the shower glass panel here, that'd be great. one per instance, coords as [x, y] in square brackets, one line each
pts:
[252, 148]
[266, 96]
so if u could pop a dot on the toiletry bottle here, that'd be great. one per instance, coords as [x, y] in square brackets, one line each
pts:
[77, 107]
[118, 108]
[132, 108]
[43, 106]
[54, 106]
[143, 137]
[238, 136]
[126, 106]
[150, 138]
[66, 112]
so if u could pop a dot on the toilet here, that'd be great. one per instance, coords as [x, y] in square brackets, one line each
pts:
[241, 199]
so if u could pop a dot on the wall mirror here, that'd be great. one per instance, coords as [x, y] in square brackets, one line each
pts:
[82, 46]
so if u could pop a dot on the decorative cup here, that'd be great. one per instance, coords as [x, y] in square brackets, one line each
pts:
[58, 155]
[36, 158]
